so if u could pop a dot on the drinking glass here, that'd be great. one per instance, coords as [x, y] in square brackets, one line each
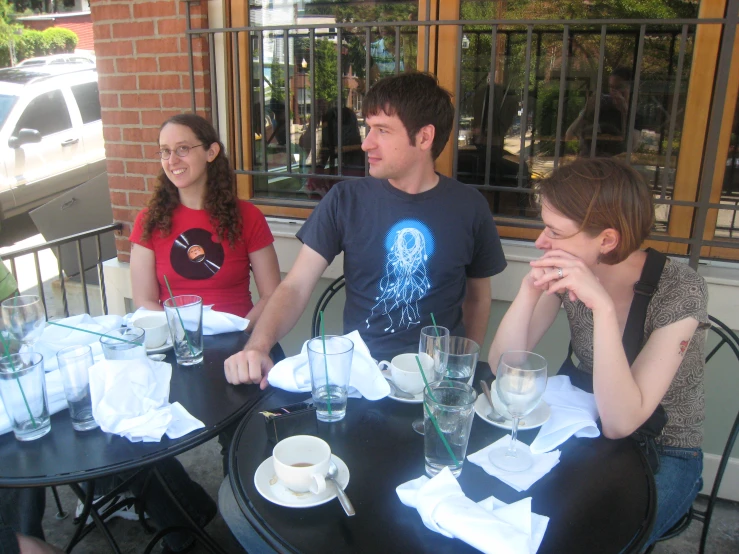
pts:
[448, 414]
[23, 392]
[433, 339]
[126, 343]
[330, 364]
[458, 361]
[520, 382]
[74, 363]
[24, 318]
[185, 320]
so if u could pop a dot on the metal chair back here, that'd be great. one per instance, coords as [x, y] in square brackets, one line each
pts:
[336, 285]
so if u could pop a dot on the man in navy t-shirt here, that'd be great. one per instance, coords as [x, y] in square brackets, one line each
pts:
[414, 242]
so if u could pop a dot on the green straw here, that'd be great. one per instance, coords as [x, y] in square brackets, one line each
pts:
[325, 363]
[176, 309]
[432, 418]
[436, 327]
[6, 347]
[92, 332]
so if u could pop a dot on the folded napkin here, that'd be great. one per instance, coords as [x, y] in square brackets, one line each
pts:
[573, 413]
[131, 398]
[293, 374]
[490, 525]
[55, 394]
[520, 480]
[54, 338]
[214, 322]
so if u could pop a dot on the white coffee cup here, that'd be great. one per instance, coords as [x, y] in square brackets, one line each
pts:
[405, 373]
[301, 463]
[155, 327]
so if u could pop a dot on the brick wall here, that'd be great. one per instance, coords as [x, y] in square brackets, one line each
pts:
[143, 68]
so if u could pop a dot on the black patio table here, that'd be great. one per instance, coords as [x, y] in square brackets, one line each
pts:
[65, 456]
[600, 497]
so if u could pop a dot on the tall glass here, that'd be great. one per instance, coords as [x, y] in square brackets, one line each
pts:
[126, 343]
[24, 318]
[434, 339]
[520, 381]
[330, 369]
[23, 390]
[459, 360]
[74, 363]
[448, 414]
[185, 319]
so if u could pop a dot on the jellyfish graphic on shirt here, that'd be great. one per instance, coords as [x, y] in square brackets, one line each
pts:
[409, 245]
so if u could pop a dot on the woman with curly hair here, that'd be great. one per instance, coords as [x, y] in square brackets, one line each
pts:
[196, 232]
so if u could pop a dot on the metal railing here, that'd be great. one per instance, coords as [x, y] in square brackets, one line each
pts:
[55, 246]
[680, 31]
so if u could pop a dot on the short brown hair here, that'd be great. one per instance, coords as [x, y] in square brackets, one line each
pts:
[418, 100]
[599, 194]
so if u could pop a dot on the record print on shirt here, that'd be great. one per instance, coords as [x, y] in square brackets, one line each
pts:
[194, 255]
[408, 246]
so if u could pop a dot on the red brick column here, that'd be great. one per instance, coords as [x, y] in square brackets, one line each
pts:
[143, 68]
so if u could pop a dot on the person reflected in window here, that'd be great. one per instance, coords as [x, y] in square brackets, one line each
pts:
[613, 120]
[596, 214]
[327, 159]
[504, 166]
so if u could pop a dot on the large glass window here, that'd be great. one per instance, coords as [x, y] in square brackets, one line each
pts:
[47, 113]
[536, 84]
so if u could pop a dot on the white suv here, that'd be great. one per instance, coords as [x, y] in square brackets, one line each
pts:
[51, 134]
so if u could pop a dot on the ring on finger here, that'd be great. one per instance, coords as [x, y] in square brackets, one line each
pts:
[560, 273]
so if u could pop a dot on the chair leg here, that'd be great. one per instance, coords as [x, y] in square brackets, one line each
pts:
[60, 513]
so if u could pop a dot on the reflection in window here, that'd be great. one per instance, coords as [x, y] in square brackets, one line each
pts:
[308, 117]
[47, 113]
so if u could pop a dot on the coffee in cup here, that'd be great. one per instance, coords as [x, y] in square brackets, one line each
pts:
[405, 373]
[301, 463]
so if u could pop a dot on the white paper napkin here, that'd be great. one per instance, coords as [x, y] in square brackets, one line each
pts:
[214, 322]
[55, 394]
[54, 338]
[521, 480]
[490, 526]
[131, 398]
[574, 412]
[293, 374]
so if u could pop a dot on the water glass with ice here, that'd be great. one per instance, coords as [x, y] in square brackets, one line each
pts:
[449, 408]
[23, 391]
[330, 364]
[74, 362]
[185, 319]
[126, 343]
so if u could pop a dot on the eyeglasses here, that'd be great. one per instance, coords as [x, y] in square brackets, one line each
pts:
[181, 151]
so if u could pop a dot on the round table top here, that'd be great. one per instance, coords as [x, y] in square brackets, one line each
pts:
[600, 497]
[65, 455]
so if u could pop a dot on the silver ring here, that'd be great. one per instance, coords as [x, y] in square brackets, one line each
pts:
[560, 273]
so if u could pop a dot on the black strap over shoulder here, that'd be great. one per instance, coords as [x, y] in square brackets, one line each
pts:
[644, 288]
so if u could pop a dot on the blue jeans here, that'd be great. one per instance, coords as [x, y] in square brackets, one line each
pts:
[678, 482]
[237, 523]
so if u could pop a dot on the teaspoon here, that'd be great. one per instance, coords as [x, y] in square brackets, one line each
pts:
[333, 471]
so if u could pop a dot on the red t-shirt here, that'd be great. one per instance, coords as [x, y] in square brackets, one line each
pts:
[195, 262]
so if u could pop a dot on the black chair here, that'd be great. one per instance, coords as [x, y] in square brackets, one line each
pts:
[323, 301]
[727, 337]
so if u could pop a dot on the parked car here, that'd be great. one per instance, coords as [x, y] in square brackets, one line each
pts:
[51, 134]
[54, 59]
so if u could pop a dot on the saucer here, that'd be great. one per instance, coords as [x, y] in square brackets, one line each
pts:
[417, 399]
[538, 417]
[270, 487]
[163, 348]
